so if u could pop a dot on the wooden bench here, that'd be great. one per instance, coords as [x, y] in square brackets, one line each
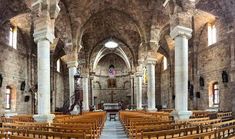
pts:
[169, 133]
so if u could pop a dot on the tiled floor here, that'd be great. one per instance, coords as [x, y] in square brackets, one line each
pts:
[113, 130]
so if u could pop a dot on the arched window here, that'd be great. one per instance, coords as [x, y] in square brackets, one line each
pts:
[164, 63]
[8, 98]
[211, 34]
[13, 37]
[58, 65]
[215, 91]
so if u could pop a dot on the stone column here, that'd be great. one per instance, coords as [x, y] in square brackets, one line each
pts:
[43, 46]
[151, 84]
[132, 89]
[72, 65]
[85, 93]
[181, 35]
[44, 35]
[72, 62]
[92, 76]
[139, 91]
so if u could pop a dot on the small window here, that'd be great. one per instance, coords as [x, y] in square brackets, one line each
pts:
[211, 34]
[164, 63]
[8, 98]
[215, 93]
[13, 37]
[58, 65]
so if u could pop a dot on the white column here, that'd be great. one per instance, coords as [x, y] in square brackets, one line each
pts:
[92, 101]
[181, 35]
[132, 89]
[43, 67]
[139, 91]
[44, 36]
[72, 65]
[43, 77]
[151, 84]
[85, 93]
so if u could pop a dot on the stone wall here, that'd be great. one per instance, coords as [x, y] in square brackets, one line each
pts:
[204, 61]
[100, 89]
[17, 65]
[211, 61]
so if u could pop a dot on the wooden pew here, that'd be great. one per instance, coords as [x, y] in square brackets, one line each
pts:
[207, 135]
[40, 134]
[169, 133]
[88, 125]
[225, 116]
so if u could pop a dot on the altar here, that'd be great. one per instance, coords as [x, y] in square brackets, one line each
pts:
[111, 107]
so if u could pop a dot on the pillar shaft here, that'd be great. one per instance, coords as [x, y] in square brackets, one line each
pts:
[72, 72]
[181, 73]
[92, 101]
[132, 90]
[181, 36]
[43, 77]
[139, 91]
[85, 94]
[151, 84]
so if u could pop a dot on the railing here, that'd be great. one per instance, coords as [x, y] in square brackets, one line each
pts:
[76, 99]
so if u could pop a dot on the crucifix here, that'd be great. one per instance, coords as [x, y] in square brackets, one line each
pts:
[111, 94]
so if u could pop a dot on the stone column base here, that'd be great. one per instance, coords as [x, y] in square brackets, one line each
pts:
[44, 118]
[151, 109]
[181, 115]
[139, 109]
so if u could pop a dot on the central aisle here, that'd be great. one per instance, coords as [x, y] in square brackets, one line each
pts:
[113, 130]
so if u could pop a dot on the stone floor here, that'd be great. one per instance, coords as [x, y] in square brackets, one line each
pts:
[113, 130]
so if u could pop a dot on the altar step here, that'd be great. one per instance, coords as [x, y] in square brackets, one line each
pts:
[113, 130]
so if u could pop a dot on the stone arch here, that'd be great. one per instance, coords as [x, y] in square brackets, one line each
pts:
[102, 12]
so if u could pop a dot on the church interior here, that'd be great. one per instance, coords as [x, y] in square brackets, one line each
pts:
[117, 69]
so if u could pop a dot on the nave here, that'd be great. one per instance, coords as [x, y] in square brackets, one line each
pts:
[113, 130]
[168, 66]
[128, 124]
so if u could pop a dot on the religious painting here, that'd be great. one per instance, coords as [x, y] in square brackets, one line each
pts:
[112, 83]
[112, 71]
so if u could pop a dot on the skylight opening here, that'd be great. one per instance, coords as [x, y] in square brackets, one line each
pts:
[111, 44]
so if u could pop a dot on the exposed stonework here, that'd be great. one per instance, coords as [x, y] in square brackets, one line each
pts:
[138, 26]
[102, 91]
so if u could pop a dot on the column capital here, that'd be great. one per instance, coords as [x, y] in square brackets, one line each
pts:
[151, 60]
[44, 14]
[52, 6]
[43, 32]
[181, 31]
[70, 60]
[151, 57]
[138, 74]
[71, 64]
